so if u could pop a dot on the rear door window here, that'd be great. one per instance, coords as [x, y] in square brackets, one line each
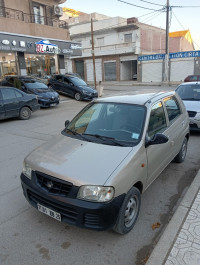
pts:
[8, 94]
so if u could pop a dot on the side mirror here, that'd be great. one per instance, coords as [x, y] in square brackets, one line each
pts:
[158, 138]
[66, 123]
[71, 84]
[23, 87]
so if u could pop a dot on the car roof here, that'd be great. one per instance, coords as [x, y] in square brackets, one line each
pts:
[139, 99]
[190, 83]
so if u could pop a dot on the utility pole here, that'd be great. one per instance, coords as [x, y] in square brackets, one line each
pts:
[166, 75]
[93, 55]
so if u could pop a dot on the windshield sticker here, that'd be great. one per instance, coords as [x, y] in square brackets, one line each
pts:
[135, 135]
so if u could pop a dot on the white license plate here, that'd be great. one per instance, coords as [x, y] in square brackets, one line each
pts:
[49, 212]
[54, 104]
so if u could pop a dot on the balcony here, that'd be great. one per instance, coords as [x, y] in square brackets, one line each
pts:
[29, 18]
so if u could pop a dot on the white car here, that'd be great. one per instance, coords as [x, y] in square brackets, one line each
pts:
[190, 94]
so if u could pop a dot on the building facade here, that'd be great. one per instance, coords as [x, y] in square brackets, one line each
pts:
[33, 39]
[117, 44]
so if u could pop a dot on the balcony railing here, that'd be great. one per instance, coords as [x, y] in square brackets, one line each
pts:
[31, 18]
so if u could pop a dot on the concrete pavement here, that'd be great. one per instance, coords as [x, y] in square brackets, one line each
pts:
[180, 242]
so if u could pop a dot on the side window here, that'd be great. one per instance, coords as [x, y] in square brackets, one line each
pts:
[18, 94]
[8, 93]
[157, 121]
[66, 80]
[173, 109]
[59, 78]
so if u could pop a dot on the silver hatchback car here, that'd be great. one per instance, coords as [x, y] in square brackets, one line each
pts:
[93, 173]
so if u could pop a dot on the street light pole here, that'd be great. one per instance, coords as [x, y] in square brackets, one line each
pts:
[166, 76]
[93, 56]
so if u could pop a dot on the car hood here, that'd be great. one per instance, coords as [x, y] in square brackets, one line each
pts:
[192, 105]
[45, 93]
[77, 161]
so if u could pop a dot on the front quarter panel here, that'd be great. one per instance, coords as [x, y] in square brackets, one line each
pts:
[132, 169]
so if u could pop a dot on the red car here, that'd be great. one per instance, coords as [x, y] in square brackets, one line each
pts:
[192, 78]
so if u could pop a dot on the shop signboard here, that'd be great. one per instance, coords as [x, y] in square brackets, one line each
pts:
[28, 44]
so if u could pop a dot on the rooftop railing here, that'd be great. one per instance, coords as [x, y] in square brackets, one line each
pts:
[32, 18]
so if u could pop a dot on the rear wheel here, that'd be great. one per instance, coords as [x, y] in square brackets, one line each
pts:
[77, 96]
[128, 212]
[182, 153]
[24, 113]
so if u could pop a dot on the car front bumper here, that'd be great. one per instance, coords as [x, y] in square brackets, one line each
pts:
[85, 214]
[48, 103]
[194, 123]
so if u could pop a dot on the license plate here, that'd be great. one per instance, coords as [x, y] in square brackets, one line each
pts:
[54, 104]
[49, 212]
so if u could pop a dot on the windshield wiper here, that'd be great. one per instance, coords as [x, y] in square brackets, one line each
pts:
[105, 138]
[79, 134]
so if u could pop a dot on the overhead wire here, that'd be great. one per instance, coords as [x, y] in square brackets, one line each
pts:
[136, 5]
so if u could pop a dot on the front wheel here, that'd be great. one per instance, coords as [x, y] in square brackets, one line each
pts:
[24, 113]
[77, 96]
[128, 212]
[182, 153]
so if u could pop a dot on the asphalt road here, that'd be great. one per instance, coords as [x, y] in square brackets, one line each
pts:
[29, 237]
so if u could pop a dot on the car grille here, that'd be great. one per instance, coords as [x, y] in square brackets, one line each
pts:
[53, 185]
[192, 114]
[67, 213]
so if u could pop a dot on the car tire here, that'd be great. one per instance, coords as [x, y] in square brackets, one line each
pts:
[25, 113]
[77, 96]
[182, 153]
[128, 212]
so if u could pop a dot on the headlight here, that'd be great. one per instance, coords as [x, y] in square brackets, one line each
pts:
[96, 193]
[86, 92]
[26, 170]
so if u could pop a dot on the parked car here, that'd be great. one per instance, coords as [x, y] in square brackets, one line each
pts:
[72, 86]
[93, 173]
[15, 103]
[190, 94]
[46, 96]
[192, 78]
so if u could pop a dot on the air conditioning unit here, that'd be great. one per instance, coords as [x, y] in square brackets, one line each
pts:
[57, 11]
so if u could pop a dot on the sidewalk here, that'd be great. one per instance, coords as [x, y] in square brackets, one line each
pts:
[180, 242]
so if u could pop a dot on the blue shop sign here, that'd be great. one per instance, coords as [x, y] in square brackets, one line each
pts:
[151, 57]
[178, 55]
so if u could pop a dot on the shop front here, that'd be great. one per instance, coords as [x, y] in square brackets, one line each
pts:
[27, 55]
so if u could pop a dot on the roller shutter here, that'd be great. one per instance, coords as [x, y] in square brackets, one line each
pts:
[110, 71]
[180, 69]
[98, 68]
[152, 71]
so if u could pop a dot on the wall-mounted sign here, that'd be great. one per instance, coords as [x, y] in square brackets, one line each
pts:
[177, 55]
[75, 46]
[151, 57]
[5, 42]
[44, 46]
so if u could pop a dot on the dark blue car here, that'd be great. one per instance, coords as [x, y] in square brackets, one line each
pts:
[72, 86]
[15, 103]
[46, 96]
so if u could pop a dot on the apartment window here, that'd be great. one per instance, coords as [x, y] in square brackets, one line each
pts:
[38, 11]
[128, 37]
[100, 41]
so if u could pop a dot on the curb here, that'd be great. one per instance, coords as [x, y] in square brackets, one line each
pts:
[165, 243]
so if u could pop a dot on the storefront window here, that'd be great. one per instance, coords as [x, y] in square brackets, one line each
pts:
[7, 64]
[40, 65]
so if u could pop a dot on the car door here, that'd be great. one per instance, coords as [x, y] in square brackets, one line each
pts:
[2, 109]
[177, 124]
[11, 102]
[57, 83]
[158, 156]
[68, 86]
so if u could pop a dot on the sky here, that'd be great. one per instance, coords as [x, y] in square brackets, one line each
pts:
[186, 16]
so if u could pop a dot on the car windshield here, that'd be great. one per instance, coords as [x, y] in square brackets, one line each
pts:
[77, 81]
[35, 85]
[189, 92]
[108, 123]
